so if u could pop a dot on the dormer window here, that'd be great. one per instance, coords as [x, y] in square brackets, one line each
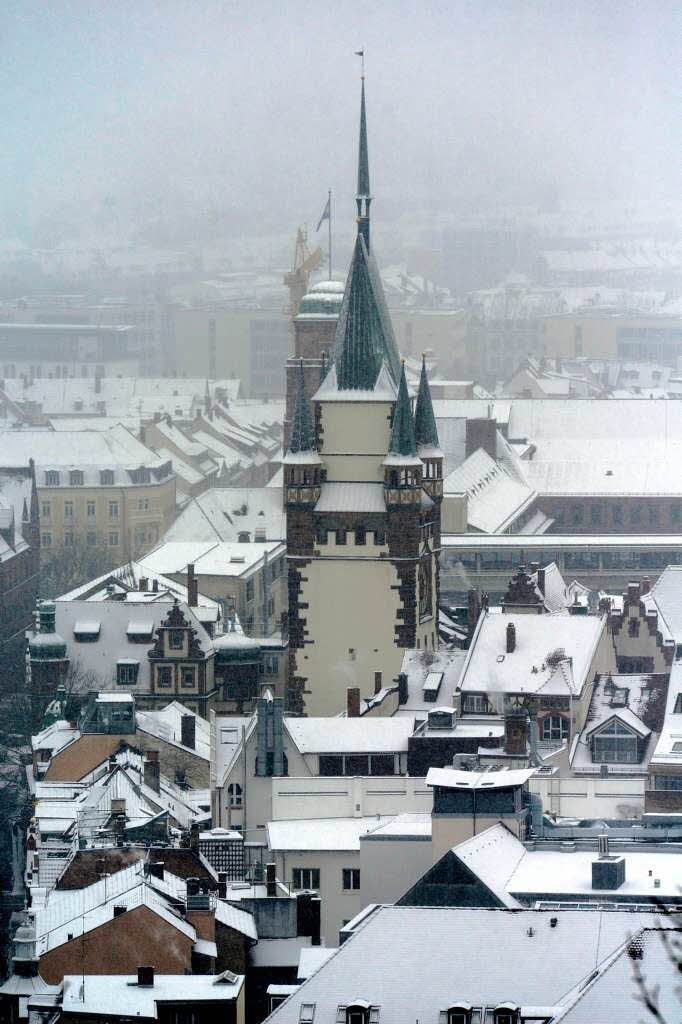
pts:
[52, 478]
[457, 1014]
[76, 477]
[359, 1012]
[106, 477]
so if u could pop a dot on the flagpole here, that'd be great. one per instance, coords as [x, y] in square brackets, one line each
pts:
[329, 200]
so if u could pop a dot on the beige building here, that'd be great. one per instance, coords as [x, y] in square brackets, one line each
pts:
[98, 490]
[604, 334]
[246, 578]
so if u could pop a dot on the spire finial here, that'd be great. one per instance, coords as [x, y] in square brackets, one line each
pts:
[363, 196]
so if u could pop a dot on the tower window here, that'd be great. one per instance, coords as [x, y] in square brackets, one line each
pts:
[340, 537]
[360, 535]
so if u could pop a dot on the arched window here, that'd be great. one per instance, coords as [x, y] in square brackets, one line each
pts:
[458, 1013]
[234, 794]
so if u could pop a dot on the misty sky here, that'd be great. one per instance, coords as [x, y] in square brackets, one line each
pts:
[254, 106]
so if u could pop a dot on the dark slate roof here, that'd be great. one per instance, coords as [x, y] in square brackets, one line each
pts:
[403, 441]
[364, 334]
[302, 437]
[425, 428]
[84, 868]
[363, 158]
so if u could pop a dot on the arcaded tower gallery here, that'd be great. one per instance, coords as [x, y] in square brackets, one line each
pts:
[363, 487]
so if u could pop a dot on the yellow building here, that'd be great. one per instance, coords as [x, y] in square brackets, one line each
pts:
[605, 334]
[101, 491]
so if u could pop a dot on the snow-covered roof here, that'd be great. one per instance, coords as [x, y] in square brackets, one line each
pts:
[167, 725]
[668, 750]
[88, 451]
[384, 389]
[492, 856]
[239, 920]
[223, 513]
[121, 995]
[666, 594]
[410, 825]
[459, 955]
[495, 498]
[351, 496]
[350, 735]
[218, 558]
[554, 874]
[126, 580]
[454, 778]
[490, 669]
[312, 959]
[443, 668]
[322, 834]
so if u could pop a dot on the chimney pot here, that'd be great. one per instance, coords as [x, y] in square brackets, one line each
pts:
[143, 583]
[353, 702]
[511, 638]
[145, 976]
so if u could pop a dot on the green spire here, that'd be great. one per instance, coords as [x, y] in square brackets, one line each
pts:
[425, 428]
[403, 441]
[363, 158]
[364, 335]
[302, 437]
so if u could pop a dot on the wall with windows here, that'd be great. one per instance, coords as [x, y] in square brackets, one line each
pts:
[344, 797]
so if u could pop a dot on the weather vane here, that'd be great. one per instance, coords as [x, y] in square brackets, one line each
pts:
[361, 55]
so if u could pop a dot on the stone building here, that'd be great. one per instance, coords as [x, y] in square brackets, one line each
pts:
[362, 489]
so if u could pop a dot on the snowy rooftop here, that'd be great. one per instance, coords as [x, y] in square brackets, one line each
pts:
[460, 955]
[495, 498]
[442, 670]
[453, 778]
[222, 513]
[217, 558]
[534, 666]
[120, 994]
[350, 735]
[668, 750]
[322, 834]
[351, 497]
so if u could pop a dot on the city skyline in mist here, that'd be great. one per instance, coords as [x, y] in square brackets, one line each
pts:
[251, 111]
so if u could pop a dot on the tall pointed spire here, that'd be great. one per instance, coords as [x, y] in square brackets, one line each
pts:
[363, 191]
[302, 438]
[425, 429]
[403, 441]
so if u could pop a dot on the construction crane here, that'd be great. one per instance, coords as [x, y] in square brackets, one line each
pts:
[298, 278]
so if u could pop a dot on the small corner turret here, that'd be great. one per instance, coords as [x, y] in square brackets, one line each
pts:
[426, 433]
[302, 462]
[402, 465]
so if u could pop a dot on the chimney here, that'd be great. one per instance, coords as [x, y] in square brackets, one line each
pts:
[514, 730]
[192, 587]
[646, 585]
[98, 384]
[377, 682]
[353, 702]
[188, 728]
[145, 976]
[222, 885]
[155, 585]
[472, 610]
[608, 872]
[533, 567]
[511, 638]
[144, 583]
[152, 770]
[156, 869]
[194, 837]
[541, 581]
[633, 592]
[403, 692]
[270, 880]
[481, 433]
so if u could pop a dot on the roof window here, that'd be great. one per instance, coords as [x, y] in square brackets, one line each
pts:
[86, 632]
[307, 1013]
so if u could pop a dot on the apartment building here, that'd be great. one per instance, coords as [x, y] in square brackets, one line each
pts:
[96, 490]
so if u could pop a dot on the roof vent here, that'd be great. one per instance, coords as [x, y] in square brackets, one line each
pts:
[511, 637]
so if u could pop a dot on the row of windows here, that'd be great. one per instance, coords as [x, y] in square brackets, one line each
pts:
[309, 878]
[510, 558]
[113, 507]
[357, 764]
[69, 540]
[359, 536]
[164, 676]
[647, 515]
[76, 478]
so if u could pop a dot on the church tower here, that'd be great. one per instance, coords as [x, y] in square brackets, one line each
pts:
[362, 489]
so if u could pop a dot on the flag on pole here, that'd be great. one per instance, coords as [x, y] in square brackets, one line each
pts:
[326, 214]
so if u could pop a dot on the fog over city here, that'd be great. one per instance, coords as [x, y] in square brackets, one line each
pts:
[235, 118]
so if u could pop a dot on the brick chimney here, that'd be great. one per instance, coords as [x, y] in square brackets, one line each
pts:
[188, 728]
[192, 587]
[646, 585]
[152, 770]
[270, 880]
[144, 583]
[353, 702]
[194, 837]
[481, 433]
[511, 638]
